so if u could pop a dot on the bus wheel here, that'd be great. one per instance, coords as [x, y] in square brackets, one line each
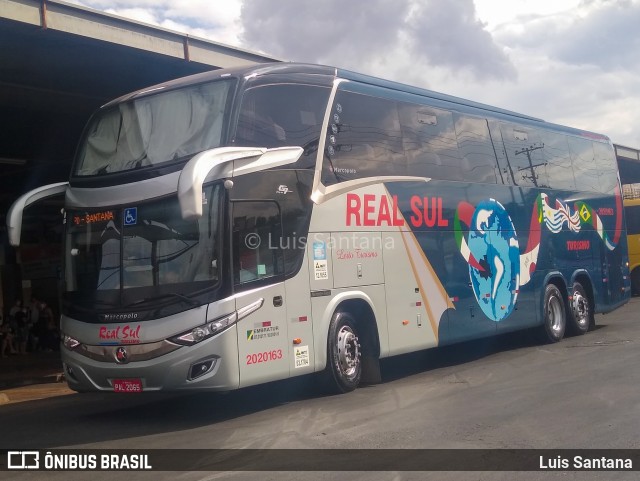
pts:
[555, 315]
[581, 318]
[344, 363]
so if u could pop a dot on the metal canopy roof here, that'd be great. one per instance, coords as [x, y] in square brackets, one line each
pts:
[59, 62]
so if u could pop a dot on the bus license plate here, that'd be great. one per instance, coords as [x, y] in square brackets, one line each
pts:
[127, 385]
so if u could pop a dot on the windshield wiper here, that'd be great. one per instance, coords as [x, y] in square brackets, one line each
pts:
[181, 297]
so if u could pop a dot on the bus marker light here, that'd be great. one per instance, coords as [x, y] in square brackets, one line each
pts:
[302, 319]
[418, 304]
[405, 323]
[69, 342]
[297, 340]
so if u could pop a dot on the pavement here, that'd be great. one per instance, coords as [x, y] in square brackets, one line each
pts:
[35, 375]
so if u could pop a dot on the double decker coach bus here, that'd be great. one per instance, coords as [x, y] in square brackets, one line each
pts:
[248, 225]
[632, 214]
[629, 169]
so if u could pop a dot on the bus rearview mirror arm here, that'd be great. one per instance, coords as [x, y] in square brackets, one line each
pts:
[226, 162]
[16, 211]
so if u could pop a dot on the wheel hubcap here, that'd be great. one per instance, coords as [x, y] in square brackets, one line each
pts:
[554, 313]
[580, 309]
[348, 351]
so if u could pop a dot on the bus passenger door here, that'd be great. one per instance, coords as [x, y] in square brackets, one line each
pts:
[258, 270]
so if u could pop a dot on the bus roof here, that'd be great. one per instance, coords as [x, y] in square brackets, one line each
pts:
[286, 68]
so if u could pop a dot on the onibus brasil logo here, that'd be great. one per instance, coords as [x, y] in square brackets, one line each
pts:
[497, 268]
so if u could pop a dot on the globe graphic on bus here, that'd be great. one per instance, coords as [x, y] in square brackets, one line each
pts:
[494, 244]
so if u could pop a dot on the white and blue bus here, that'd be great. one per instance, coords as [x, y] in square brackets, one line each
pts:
[247, 225]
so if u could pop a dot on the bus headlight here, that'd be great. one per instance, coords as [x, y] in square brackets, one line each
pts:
[210, 329]
[219, 325]
[69, 342]
[200, 333]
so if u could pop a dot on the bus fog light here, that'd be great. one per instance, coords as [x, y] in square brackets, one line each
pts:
[69, 372]
[201, 368]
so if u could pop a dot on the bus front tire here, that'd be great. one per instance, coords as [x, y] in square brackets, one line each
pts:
[554, 315]
[344, 361]
[581, 318]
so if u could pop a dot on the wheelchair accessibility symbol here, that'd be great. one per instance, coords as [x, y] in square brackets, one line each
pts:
[131, 216]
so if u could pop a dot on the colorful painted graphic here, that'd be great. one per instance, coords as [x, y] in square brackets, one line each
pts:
[497, 269]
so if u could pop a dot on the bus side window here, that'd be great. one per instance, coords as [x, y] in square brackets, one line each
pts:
[557, 160]
[283, 115]
[364, 139]
[479, 158]
[632, 215]
[584, 164]
[607, 167]
[257, 237]
[430, 144]
[523, 148]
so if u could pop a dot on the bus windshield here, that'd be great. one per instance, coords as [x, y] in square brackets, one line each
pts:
[155, 129]
[147, 247]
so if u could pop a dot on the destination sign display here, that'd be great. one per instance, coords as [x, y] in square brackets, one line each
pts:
[93, 217]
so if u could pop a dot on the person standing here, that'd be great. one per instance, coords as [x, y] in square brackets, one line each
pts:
[35, 330]
[51, 338]
[21, 330]
[15, 309]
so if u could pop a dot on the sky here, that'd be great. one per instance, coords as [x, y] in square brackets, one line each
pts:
[572, 62]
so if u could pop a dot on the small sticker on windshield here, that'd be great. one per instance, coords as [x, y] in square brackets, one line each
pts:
[262, 269]
[131, 216]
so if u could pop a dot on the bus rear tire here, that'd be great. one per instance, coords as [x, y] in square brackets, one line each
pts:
[581, 318]
[554, 316]
[344, 357]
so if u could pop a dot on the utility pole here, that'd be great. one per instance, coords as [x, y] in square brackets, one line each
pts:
[528, 150]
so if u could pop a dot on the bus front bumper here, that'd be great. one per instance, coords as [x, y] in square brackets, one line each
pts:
[209, 365]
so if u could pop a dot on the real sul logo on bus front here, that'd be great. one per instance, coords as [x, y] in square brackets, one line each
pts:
[120, 335]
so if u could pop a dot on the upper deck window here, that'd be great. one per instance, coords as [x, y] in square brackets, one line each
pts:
[279, 115]
[153, 130]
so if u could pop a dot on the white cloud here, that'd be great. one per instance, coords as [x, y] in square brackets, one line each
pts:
[216, 20]
[499, 13]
